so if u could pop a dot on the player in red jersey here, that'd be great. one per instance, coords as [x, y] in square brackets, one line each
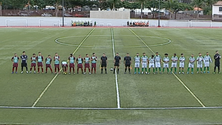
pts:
[40, 60]
[93, 61]
[87, 61]
[79, 61]
[48, 61]
[71, 60]
[15, 60]
[56, 62]
[33, 63]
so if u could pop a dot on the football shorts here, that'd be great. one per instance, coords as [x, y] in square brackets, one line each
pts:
[174, 65]
[206, 64]
[181, 65]
[191, 65]
[137, 65]
[157, 65]
[165, 65]
[151, 65]
[144, 65]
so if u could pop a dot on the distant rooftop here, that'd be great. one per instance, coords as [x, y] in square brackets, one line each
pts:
[219, 3]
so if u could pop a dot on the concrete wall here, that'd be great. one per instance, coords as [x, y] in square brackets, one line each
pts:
[110, 14]
[57, 21]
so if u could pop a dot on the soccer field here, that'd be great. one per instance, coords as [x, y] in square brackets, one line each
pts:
[109, 98]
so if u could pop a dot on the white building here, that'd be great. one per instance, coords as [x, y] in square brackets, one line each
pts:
[217, 11]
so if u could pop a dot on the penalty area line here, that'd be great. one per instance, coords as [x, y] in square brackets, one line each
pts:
[46, 88]
[187, 88]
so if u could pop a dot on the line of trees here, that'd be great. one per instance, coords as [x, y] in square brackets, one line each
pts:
[172, 5]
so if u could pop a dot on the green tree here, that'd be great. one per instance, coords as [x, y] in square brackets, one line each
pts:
[174, 7]
[113, 3]
[132, 5]
[207, 6]
[40, 3]
[169, 5]
[153, 5]
[13, 4]
[142, 2]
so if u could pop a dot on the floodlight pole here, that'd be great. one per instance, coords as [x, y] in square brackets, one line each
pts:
[159, 15]
[63, 11]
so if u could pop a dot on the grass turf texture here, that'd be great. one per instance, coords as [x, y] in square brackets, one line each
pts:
[99, 91]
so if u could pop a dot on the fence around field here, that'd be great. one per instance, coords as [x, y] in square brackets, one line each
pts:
[57, 22]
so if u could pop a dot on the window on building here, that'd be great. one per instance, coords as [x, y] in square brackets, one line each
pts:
[220, 8]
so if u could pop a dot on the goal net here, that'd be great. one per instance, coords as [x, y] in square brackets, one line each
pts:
[17, 22]
[51, 23]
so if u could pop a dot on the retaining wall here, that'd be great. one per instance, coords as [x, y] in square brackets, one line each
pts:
[57, 21]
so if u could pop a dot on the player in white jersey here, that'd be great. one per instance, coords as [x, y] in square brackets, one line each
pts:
[199, 63]
[166, 61]
[137, 63]
[207, 61]
[174, 60]
[182, 63]
[152, 64]
[157, 62]
[191, 64]
[144, 62]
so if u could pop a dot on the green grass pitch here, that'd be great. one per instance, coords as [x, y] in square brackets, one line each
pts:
[143, 99]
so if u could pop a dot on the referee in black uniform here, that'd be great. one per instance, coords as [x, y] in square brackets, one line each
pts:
[24, 58]
[117, 59]
[103, 63]
[127, 62]
[217, 58]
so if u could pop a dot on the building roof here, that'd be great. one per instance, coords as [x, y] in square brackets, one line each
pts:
[197, 9]
[219, 3]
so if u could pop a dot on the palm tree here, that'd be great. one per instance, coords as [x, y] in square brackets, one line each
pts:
[114, 2]
[169, 5]
[57, 8]
[153, 4]
[142, 2]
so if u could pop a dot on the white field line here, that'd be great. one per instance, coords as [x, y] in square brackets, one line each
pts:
[79, 108]
[46, 88]
[201, 103]
[187, 88]
[116, 78]
[160, 44]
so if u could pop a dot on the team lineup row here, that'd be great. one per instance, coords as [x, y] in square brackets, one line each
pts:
[147, 63]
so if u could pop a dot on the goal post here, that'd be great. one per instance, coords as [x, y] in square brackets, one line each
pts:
[50, 23]
[17, 22]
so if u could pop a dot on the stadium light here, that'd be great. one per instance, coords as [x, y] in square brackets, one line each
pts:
[63, 9]
[159, 15]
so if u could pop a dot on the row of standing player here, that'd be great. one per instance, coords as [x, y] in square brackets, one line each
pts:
[153, 62]
[38, 60]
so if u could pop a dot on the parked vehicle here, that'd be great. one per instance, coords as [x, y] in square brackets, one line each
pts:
[23, 13]
[46, 15]
[68, 15]
[78, 15]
